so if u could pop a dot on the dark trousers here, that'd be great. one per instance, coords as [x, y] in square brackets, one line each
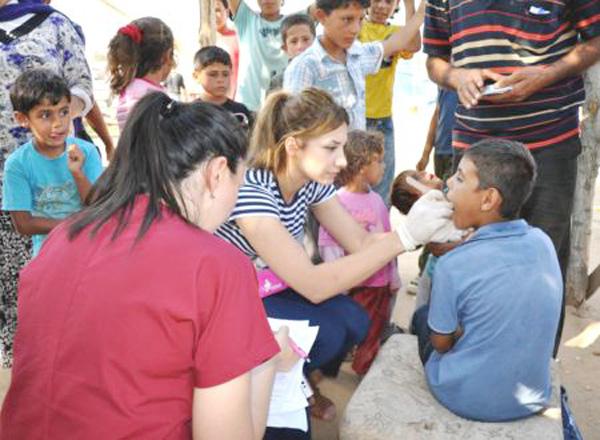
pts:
[288, 433]
[551, 203]
[342, 323]
[420, 328]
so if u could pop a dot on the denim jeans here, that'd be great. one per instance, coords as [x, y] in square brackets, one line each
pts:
[386, 127]
[420, 328]
[342, 323]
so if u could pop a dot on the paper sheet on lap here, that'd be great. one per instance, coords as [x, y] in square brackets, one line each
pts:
[288, 399]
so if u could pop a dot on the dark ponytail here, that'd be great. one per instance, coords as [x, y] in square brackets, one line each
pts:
[161, 144]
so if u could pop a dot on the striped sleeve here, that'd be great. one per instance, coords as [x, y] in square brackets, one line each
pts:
[320, 193]
[586, 18]
[436, 34]
[254, 201]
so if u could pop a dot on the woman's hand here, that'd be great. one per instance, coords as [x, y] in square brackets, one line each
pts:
[287, 358]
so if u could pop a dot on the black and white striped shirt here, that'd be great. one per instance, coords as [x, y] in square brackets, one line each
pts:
[260, 196]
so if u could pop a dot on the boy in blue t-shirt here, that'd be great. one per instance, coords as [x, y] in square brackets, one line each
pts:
[486, 338]
[49, 177]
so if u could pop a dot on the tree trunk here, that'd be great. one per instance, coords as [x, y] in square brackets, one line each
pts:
[208, 33]
[587, 171]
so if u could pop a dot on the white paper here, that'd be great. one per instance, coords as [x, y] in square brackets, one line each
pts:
[288, 399]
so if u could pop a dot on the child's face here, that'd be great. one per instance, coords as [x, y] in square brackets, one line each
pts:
[465, 194]
[373, 172]
[221, 14]
[380, 11]
[215, 79]
[342, 25]
[298, 38]
[49, 123]
[429, 180]
[269, 8]
[321, 158]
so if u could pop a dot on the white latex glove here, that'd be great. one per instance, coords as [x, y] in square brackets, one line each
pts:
[431, 213]
[448, 233]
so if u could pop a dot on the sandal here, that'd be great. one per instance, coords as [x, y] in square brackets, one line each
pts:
[321, 407]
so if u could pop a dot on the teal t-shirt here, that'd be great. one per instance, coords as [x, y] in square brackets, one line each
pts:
[261, 56]
[45, 186]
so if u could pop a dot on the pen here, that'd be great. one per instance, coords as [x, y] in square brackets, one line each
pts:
[298, 350]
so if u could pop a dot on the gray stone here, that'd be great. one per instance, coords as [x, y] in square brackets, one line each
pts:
[394, 402]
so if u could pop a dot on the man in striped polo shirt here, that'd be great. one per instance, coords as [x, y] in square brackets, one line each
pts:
[539, 49]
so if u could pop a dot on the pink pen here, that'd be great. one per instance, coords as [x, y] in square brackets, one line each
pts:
[298, 350]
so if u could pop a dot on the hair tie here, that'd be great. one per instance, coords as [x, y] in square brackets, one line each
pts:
[168, 108]
[133, 32]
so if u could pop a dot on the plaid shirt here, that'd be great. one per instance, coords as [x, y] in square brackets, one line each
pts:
[345, 82]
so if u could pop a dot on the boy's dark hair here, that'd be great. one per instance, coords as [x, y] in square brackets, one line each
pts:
[361, 149]
[36, 85]
[402, 195]
[295, 20]
[507, 166]
[330, 5]
[225, 3]
[162, 143]
[211, 55]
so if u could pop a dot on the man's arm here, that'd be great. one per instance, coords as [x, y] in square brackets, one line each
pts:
[529, 80]
[468, 83]
[403, 37]
[422, 164]
[96, 121]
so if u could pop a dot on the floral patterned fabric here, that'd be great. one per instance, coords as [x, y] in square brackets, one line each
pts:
[54, 45]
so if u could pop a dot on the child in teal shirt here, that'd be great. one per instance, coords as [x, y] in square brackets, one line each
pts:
[48, 178]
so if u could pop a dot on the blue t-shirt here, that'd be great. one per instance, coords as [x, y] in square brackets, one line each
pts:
[504, 288]
[447, 102]
[45, 186]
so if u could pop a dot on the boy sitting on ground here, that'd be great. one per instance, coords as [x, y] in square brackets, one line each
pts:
[486, 338]
[48, 178]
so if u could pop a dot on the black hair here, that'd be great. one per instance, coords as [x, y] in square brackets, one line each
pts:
[403, 196]
[211, 55]
[162, 143]
[225, 3]
[34, 86]
[506, 166]
[295, 20]
[331, 5]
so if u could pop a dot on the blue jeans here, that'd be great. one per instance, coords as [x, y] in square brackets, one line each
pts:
[342, 323]
[386, 127]
[420, 328]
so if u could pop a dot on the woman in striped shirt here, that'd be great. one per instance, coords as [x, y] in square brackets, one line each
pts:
[297, 149]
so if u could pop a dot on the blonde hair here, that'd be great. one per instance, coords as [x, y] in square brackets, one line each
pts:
[360, 150]
[306, 115]
[129, 59]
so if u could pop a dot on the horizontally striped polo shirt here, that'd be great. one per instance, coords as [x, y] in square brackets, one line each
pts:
[506, 35]
[260, 196]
